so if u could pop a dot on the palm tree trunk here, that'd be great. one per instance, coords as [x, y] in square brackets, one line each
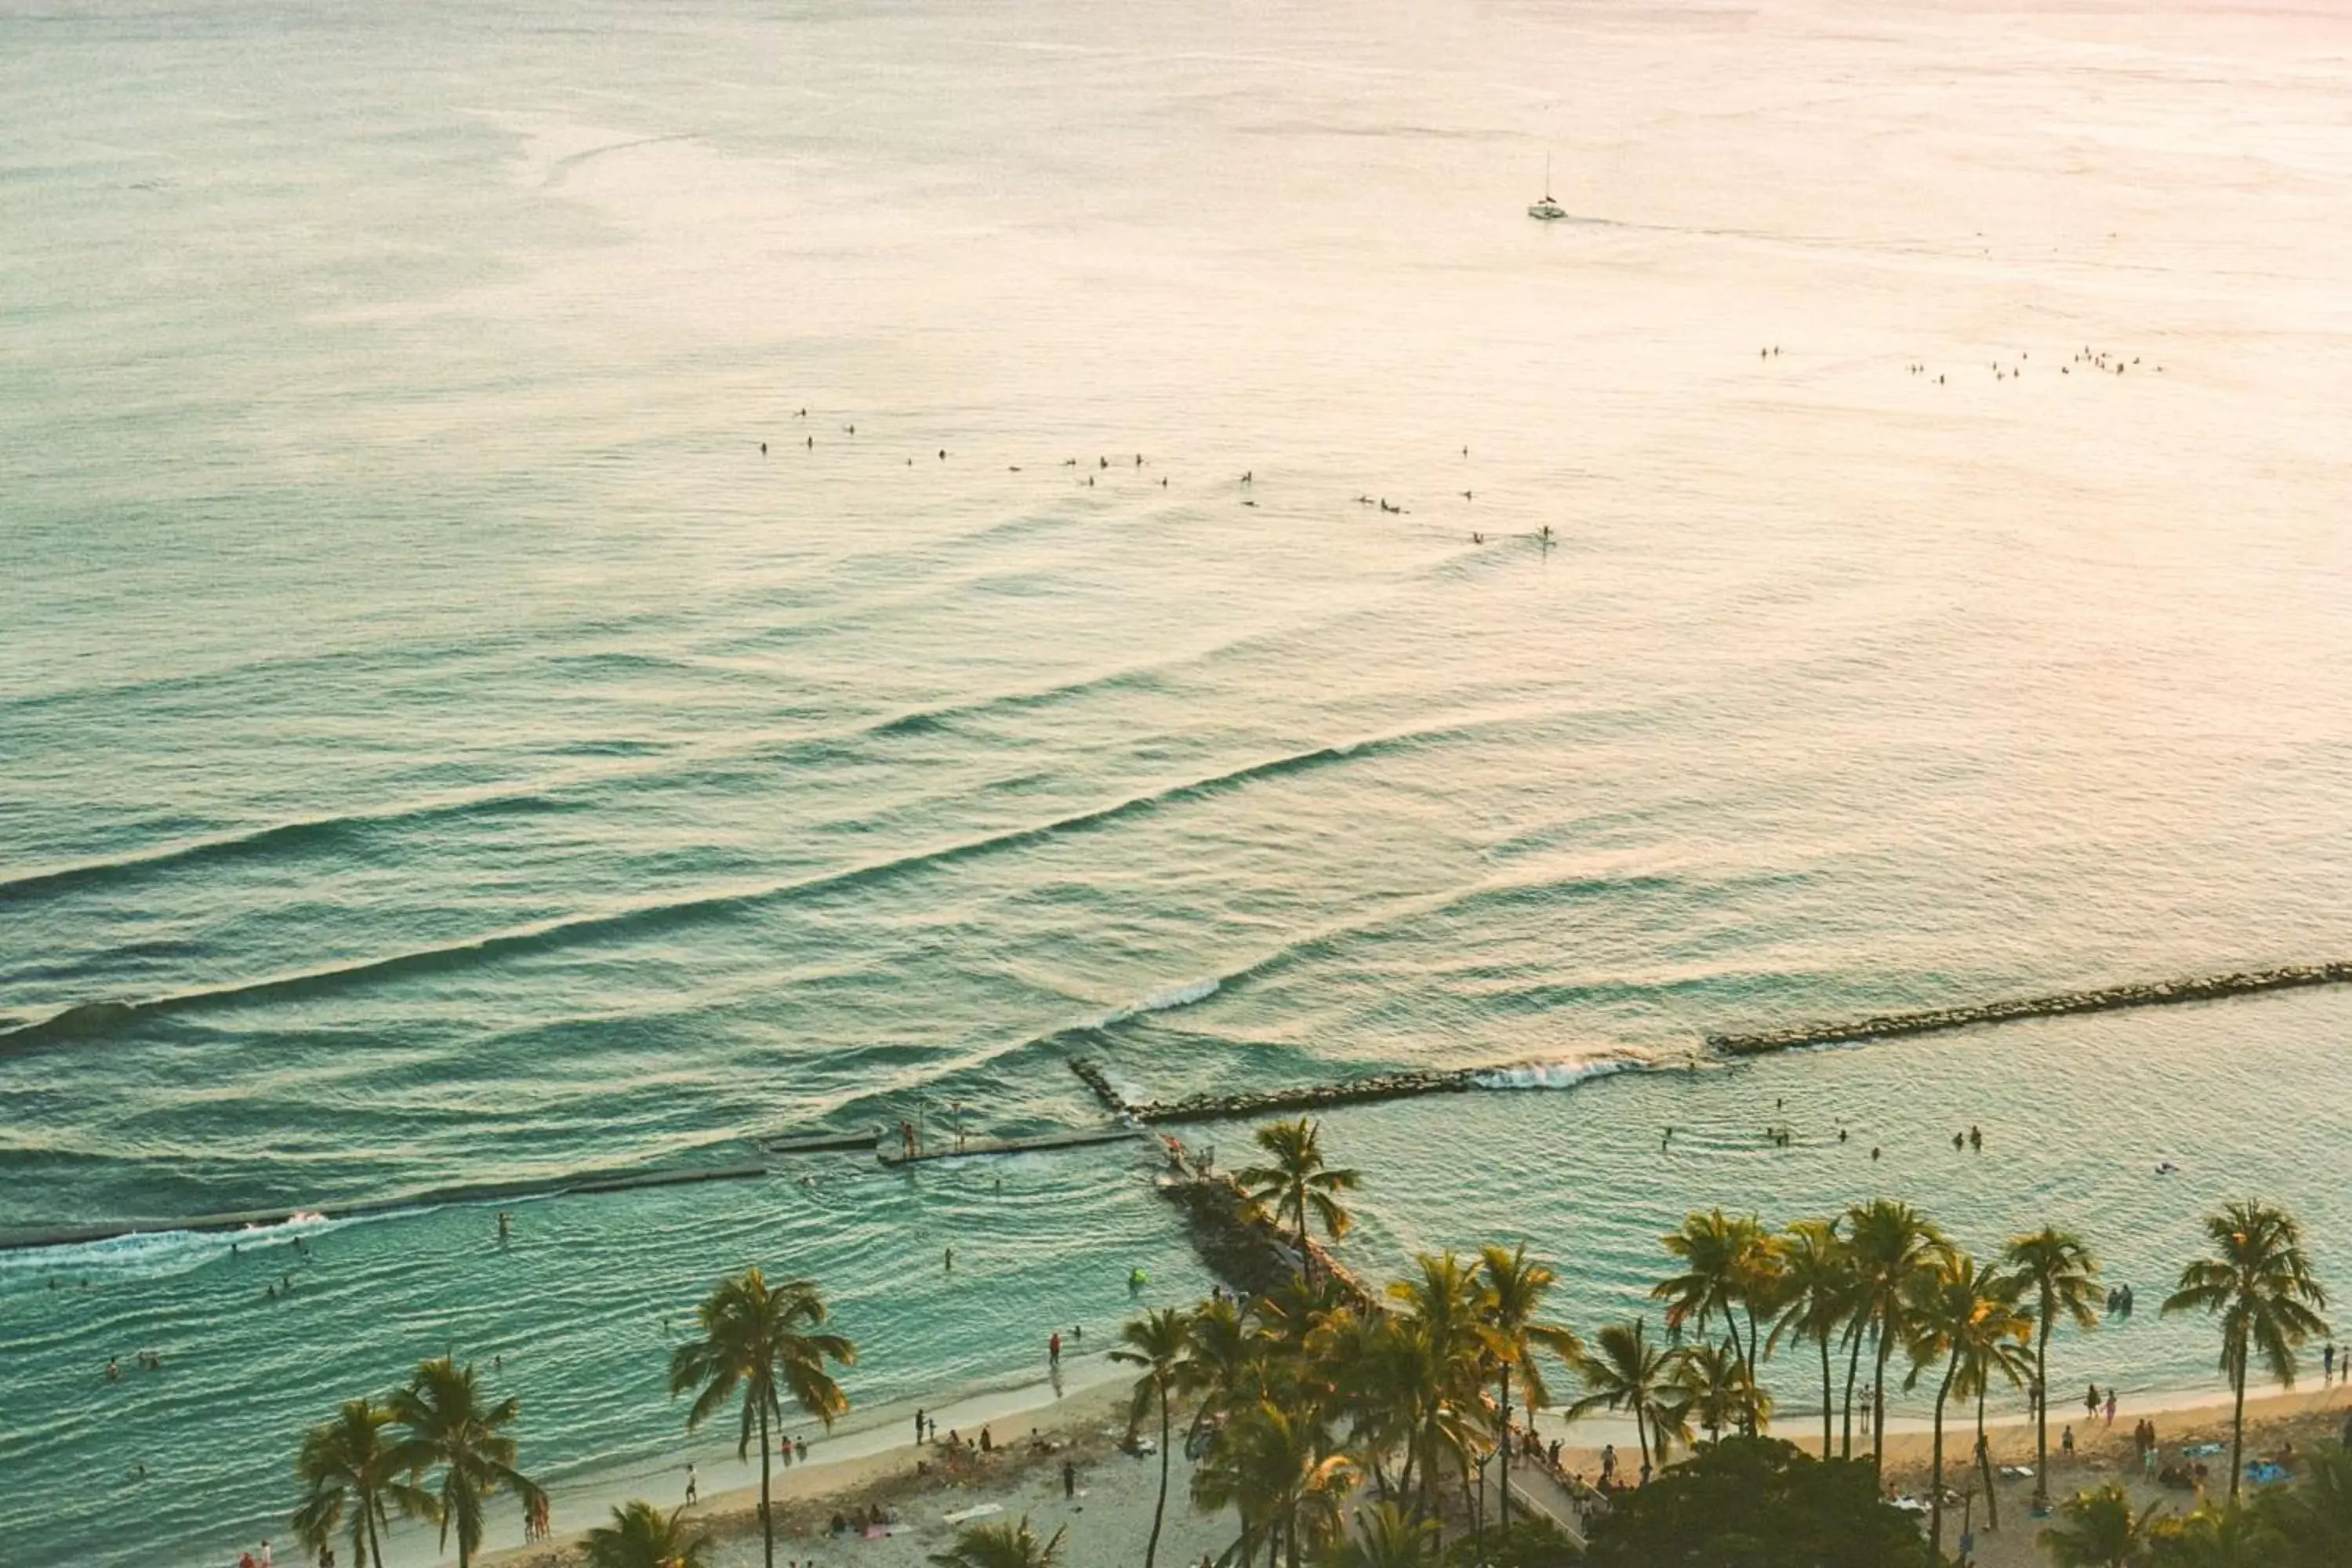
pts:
[1878, 1408]
[1151, 1547]
[1754, 1349]
[767, 1517]
[376, 1545]
[2042, 1406]
[1936, 1467]
[1853, 1366]
[1642, 1433]
[1504, 1509]
[1984, 1459]
[2238, 1422]
[1829, 1392]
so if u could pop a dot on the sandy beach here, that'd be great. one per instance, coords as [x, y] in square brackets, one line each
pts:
[1110, 1517]
[933, 1488]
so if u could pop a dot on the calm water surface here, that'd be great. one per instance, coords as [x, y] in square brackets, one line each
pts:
[467, 758]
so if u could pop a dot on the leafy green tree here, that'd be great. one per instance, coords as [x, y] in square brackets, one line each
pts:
[350, 1472]
[643, 1536]
[2061, 1276]
[1756, 1502]
[754, 1340]
[1001, 1546]
[1955, 1315]
[444, 1423]
[1157, 1342]
[1513, 1294]
[1298, 1181]
[2260, 1284]
[2099, 1530]
[1817, 1293]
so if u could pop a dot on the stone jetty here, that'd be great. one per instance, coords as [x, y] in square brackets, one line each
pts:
[1231, 1230]
[1092, 1077]
[1310, 1097]
[2113, 998]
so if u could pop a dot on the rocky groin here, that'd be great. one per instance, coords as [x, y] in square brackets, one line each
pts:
[2113, 998]
[1092, 1077]
[1237, 1241]
[1310, 1097]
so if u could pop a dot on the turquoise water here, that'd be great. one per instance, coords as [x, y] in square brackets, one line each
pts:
[468, 758]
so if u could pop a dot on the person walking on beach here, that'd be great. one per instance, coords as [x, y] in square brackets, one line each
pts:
[2091, 1403]
[2111, 1404]
[2327, 1363]
[2066, 1442]
[800, 1446]
[693, 1485]
[1069, 1479]
[1054, 1350]
[918, 1427]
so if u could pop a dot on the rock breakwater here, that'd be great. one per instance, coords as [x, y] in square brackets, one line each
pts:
[2113, 998]
[1309, 1097]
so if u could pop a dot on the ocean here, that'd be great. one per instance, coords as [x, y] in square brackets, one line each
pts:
[1224, 592]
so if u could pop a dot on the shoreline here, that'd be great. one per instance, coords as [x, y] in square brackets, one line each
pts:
[873, 1459]
[875, 1462]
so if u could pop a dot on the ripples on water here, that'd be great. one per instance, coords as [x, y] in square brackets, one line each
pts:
[441, 749]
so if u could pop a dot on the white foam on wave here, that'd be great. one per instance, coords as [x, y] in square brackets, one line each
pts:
[1174, 996]
[149, 1254]
[1566, 1074]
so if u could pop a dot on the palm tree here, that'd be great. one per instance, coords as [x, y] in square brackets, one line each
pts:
[1894, 1247]
[753, 1339]
[1225, 1367]
[349, 1471]
[1718, 1390]
[1624, 1371]
[1515, 1289]
[1157, 1342]
[2309, 1524]
[1388, 1537]
[443, 1423]
[1443, 1307]
[1816, 1297]
[2009, 1360]
[2260, 1284]
[1278, 1472]
[2099, 1531]
[1955, 1315]
[2222, 1538]
[1719, 1260]
[1298, 1182]
[2061, 1273]
[1001, 1546]
[643, 1536]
